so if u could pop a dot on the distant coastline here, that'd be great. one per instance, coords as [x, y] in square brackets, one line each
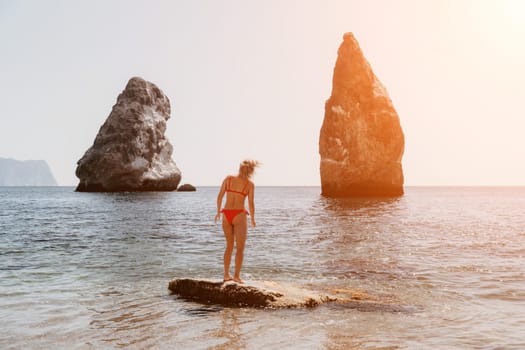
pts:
[25, 173]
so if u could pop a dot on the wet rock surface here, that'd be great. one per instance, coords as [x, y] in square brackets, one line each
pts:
[130, 151]
[257, 294]
[273, 295]
[361, 142]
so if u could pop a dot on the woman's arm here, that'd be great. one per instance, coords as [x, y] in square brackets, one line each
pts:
[251, 203]
[219, 200]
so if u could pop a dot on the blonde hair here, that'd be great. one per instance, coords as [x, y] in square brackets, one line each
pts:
[247, 167]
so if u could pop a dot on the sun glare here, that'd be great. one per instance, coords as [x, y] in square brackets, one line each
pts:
[502, 23]
[514, 14]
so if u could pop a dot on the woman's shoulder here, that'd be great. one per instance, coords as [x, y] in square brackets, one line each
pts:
[226, 180]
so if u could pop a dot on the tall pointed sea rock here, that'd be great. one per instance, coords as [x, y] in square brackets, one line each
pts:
[131, 152]
[361, 141]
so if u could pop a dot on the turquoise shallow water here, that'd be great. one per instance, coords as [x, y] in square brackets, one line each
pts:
[88, 270]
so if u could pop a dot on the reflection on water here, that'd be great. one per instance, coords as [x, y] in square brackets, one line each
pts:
[230, 331]
[360, 240]
[443, 267]
[365, 207]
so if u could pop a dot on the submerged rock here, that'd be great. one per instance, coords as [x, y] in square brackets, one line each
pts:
[249, 294]
[130, 151]
[361, 141]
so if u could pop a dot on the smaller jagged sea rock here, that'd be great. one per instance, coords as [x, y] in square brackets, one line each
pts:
[186, 188]
[130, 151]
[361, 141]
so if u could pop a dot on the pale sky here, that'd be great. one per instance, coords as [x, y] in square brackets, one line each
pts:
[249, 79]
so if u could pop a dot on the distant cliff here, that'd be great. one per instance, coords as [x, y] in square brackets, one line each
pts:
[25, 173]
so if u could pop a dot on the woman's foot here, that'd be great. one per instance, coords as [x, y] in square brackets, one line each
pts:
[238, 280]
[227, 279]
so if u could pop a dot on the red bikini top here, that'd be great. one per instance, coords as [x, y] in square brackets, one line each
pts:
[228, 188]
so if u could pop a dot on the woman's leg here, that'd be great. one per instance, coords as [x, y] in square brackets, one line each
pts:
[240, 230]
[228, 235]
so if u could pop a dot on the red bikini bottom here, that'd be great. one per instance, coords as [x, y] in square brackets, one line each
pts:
[230, 214]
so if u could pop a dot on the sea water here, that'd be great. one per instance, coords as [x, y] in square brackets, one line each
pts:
[446, 267]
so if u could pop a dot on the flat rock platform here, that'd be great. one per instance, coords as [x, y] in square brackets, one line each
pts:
[258, 294]
[274, 295]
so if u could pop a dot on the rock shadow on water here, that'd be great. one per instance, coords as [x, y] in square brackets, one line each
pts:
[373, 206]
[203, 310]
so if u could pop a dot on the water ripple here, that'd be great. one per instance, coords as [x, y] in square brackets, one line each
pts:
[90, 270]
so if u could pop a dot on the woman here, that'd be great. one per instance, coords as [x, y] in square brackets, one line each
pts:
[234, 220]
